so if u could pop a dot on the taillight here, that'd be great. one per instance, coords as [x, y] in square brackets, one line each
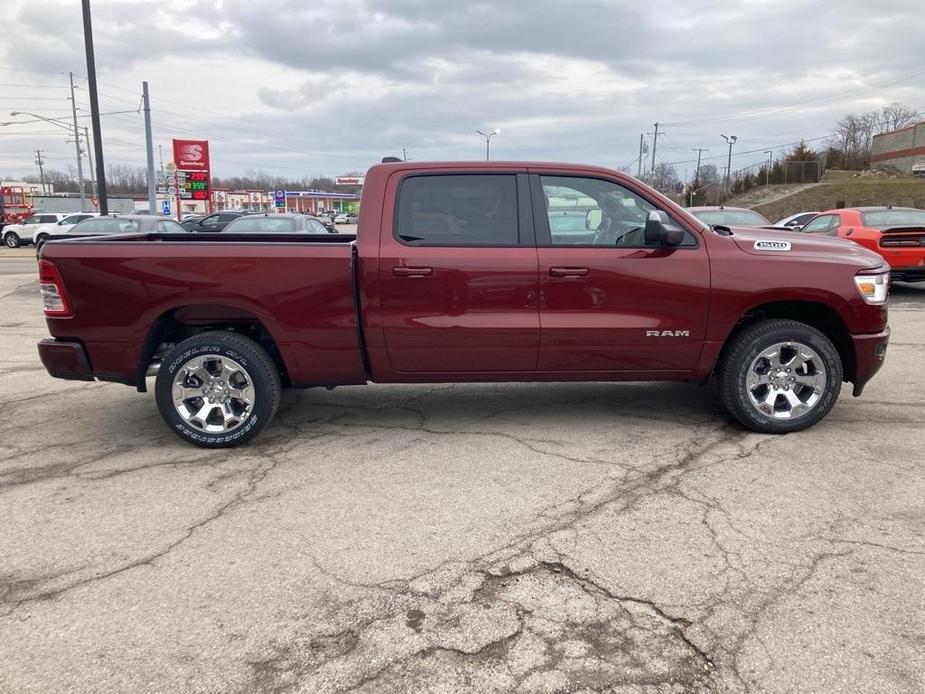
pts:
[53, 294]
[892, 242]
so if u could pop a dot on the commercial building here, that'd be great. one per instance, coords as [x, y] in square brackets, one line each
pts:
[901, 149]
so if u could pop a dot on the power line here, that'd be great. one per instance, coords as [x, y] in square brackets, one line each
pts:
[785, 110]
[753, 151]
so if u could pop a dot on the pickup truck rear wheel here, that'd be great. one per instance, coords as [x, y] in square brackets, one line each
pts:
[217, 389]
[779, 376]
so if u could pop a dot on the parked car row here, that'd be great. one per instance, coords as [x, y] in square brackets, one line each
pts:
[896, 233]
[110, 225]
[39, 226]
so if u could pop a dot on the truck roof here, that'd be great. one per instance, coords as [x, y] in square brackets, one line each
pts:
[500, 165]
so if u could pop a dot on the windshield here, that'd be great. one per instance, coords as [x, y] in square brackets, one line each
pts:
[887, 219]
[283, 225]
[99, 225]
[741, 218]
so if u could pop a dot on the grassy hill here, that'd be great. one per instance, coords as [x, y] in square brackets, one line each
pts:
[847, 189]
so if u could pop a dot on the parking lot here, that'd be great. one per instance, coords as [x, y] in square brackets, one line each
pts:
[540, 537]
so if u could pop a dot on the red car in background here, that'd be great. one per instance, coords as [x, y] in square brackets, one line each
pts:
[896, 233]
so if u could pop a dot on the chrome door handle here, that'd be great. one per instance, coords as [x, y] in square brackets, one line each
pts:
[568, 272]
[411, 271]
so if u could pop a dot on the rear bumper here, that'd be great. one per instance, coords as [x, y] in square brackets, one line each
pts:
[915, 273]
[65, 359]
[869, 353]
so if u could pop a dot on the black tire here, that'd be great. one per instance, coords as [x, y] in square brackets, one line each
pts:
[259, 368]
[746, 346]
[11, 239]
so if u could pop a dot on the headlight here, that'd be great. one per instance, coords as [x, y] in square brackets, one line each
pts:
[873, 288]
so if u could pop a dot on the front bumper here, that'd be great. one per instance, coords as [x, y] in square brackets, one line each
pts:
[65, 359]
[869, 353]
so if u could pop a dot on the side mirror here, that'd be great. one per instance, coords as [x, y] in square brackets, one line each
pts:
[593, 219]
[659, 233]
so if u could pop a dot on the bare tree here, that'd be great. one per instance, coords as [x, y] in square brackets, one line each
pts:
[895, 116]
[665, 179]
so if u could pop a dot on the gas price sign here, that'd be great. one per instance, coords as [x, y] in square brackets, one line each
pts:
[193, 185]
[197, 183]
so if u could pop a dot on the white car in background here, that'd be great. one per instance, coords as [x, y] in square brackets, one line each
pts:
[796, 221]
[62, 226]
[341, 218]
[15, 235]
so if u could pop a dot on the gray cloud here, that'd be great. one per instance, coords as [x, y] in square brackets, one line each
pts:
[566, 80]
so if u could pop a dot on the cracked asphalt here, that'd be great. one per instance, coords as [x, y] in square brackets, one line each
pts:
[485, 538]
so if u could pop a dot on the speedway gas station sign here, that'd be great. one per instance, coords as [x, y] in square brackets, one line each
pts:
[193, 177]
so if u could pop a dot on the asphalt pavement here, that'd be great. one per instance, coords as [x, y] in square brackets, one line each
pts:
[450, 538]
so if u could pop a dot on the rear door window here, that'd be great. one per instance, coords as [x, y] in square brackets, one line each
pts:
[457, 210]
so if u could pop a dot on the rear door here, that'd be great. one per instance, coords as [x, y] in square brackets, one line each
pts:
[609, 302]
[458, 273]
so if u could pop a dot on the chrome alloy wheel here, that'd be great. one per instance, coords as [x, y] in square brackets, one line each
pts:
[786, 380]
[213, 394]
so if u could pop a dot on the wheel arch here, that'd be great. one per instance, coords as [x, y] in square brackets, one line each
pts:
[817, 314]
[180, 322]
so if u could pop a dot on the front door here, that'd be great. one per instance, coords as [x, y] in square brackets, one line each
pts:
[609, 302]
[458, 275]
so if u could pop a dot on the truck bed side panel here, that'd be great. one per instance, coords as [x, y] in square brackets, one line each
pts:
[302, 294]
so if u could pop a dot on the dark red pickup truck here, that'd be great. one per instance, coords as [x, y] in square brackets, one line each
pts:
[497, 271]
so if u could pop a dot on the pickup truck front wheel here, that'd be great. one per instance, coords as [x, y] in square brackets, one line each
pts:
[217, 389]
[779, 376]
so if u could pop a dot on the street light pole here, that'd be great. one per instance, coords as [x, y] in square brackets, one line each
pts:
[767, 172]
[488, 137]
[80, 166]
[731, 139]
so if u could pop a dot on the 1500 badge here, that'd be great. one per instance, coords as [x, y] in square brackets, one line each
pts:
[772, 246]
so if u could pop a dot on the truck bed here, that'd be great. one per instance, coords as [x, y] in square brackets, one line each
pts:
[299, 288]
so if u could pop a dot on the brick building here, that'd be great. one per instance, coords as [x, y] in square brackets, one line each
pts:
[901, 149]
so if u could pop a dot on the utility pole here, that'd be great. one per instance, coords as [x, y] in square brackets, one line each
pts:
[700, 151]
[767, 172]
[90, 161]
[149, 148]
[404, 154]
[80, 166]
[731, 139]
[94, 109]
[654, 145]
[641, 145]
[160, 156]
[41, 162]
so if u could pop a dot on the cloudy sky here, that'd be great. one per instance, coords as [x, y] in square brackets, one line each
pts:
[299, 88]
